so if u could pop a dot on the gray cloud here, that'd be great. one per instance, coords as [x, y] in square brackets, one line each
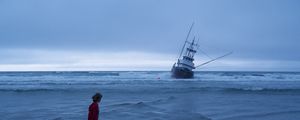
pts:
[253, 29]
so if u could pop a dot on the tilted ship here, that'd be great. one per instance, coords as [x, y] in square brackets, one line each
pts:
[184, 66]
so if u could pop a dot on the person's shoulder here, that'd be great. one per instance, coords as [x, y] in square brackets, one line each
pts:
[94, 104]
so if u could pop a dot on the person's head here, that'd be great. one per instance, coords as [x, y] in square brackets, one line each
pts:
[97, 97]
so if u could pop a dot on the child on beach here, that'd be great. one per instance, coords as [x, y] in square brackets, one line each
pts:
[94, 108]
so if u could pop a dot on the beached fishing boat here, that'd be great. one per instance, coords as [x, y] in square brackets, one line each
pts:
[184, 66]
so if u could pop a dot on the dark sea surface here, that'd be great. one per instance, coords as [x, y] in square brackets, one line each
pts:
[150, 95]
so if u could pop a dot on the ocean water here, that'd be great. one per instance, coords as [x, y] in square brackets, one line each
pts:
[150, 95]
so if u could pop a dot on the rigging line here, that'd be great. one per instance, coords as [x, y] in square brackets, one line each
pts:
[202, 51]
[205, 53]
[214, 59]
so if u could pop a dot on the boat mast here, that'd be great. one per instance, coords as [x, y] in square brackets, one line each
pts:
[186, 40]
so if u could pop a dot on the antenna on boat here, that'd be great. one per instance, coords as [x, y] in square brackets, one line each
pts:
[187, 37]
[214, 59]
[197, 44]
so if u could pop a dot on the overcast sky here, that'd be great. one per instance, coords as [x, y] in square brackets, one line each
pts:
[148, 34]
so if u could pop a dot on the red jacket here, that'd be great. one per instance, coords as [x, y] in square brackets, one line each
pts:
[93, 111]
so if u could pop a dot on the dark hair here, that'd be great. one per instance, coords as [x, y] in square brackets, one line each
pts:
[97, 97]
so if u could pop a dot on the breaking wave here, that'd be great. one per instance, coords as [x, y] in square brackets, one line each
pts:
[150, 81]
